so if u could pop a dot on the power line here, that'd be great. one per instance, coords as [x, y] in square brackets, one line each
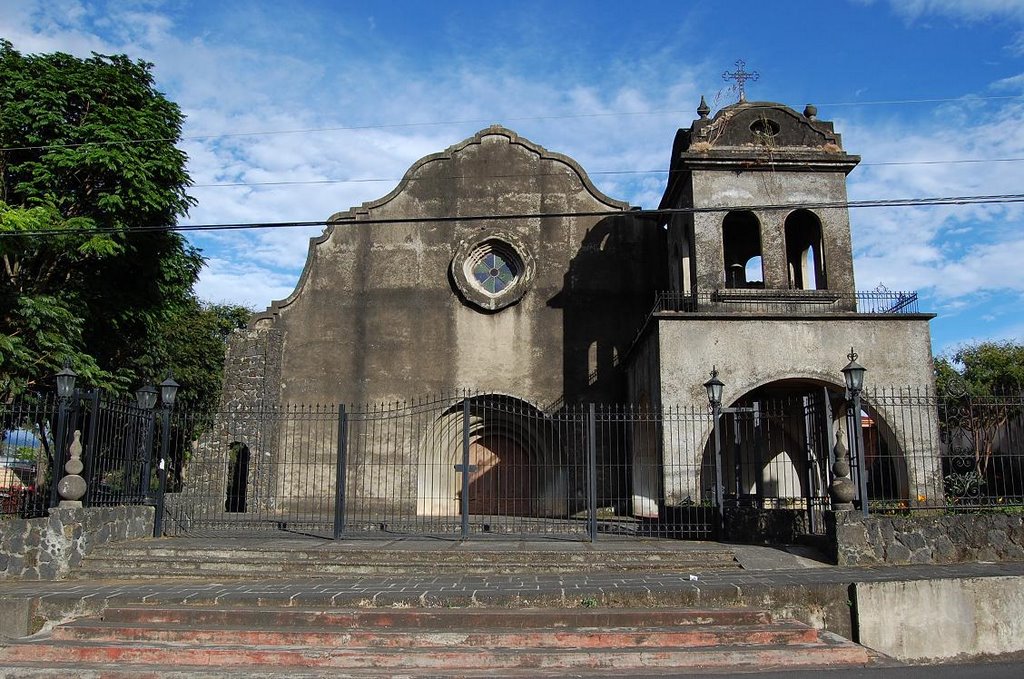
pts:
[370, 180]
[662, 212]
[475, 121]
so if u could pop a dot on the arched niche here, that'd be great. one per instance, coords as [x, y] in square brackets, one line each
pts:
[237, 494]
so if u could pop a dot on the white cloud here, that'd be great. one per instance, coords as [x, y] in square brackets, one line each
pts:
[225, 280]
[950, 252]
[959, 9]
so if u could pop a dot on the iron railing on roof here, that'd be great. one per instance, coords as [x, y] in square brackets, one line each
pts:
[811, 302]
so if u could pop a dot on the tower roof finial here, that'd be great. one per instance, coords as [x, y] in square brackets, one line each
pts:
[703, 109]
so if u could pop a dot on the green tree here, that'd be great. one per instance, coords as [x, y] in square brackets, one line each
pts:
[983, 368]
[88, 161]
[40, 329]
[192, 345]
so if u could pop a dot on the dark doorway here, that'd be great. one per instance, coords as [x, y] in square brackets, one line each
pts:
[501, 483]
[238, 477]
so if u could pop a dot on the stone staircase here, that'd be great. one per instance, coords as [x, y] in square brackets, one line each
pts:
[168, 558]
[182, 641]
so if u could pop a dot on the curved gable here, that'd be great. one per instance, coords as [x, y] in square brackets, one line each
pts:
[493, 173]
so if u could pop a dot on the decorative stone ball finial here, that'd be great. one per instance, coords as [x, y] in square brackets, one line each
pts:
[72, 487]
[811, 112]
[703, 109]
[841, 489]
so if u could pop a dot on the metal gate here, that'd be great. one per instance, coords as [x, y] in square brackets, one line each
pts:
[776, 455]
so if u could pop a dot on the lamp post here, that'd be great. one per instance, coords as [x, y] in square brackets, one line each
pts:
[65, 392]
[145, 398]
[853, 373]
[714, 387]
[168, 393]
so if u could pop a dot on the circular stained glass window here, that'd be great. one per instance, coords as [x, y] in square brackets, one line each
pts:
[492, 272]
[493, 266]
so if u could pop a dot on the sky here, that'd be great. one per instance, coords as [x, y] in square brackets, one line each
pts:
[297, 110]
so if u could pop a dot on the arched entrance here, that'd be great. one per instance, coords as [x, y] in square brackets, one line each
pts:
[517, 462]
[779, 443]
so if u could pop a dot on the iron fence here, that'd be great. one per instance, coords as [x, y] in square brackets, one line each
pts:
[120, 451]
[468, 464]
[979, 441]
[455, 466]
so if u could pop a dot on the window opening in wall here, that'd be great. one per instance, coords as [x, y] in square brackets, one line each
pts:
[741, 240]
[238, 477]
[804, 259]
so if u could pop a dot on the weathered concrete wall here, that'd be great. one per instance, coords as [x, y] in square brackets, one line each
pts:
[378, 314]
[925, 539]
[48, 548]
[932, 620]
[247, 416]
[751, 351]
[385, 312]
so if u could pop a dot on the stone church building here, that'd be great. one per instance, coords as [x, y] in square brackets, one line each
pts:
[497, 266]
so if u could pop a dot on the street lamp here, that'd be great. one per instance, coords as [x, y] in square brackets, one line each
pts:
[66, 381]
[714, 387]
[168, 392]
[853, 374]
[146, 397]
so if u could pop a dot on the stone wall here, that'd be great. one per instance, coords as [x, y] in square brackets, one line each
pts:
[49, 548]
[955, 538]
[751, 525]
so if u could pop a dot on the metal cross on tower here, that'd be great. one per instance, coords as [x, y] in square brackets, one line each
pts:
[741, 77]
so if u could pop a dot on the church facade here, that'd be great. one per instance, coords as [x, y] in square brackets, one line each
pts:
[496, 266]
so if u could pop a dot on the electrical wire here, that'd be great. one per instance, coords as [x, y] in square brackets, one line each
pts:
[370, 180]
[661, 212]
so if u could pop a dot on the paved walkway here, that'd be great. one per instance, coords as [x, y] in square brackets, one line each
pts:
[763, 569]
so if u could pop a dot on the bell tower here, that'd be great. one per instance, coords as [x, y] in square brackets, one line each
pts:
[768, 190]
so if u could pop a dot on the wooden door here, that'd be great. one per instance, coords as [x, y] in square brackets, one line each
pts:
[501, 483]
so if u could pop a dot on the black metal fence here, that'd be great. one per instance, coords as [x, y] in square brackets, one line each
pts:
[473, 464]
[449, 466]
[120, 450]
[979, 441]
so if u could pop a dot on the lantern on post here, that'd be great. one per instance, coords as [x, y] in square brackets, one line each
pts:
[714, 388]
[853, 374]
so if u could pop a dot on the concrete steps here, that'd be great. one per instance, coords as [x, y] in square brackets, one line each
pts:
[140, 641]
[162, 560]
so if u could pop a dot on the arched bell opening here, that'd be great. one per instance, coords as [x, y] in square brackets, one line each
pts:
[805, 260]
[741, 246]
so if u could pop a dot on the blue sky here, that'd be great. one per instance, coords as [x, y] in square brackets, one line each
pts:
[266, 87]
